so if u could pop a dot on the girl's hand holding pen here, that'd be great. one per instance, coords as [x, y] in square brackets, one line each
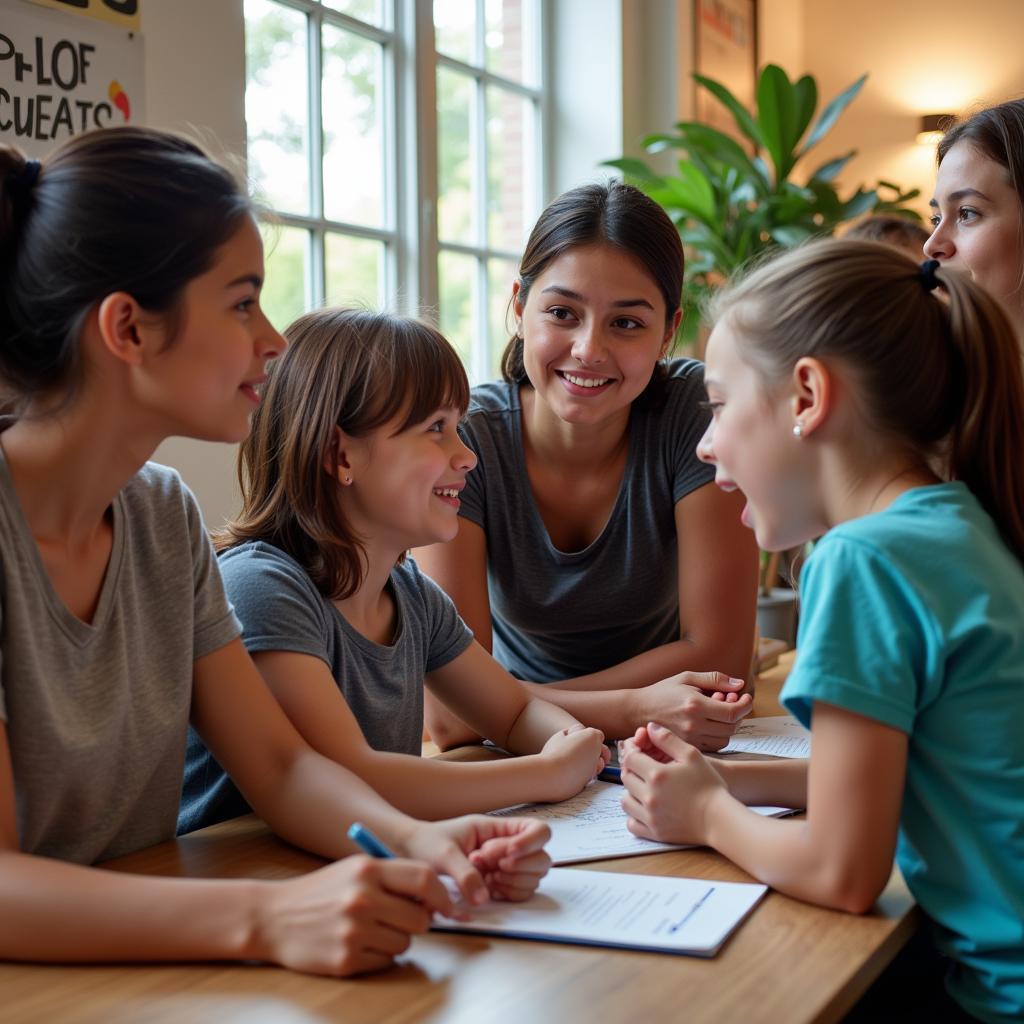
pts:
[576, 755]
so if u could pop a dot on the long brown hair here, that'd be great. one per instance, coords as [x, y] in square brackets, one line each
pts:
[938, 374]
[346, 368]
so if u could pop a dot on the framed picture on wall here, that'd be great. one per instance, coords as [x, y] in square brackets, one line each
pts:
[725, 41]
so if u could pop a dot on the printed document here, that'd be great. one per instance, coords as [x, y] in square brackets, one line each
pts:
[666, 915]
[592, 825]
[780, 736]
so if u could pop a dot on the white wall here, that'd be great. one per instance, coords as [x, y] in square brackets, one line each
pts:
[195, 83]
[923, 56]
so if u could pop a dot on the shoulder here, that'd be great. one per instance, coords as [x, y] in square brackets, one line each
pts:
[157, 499]
[259, 561]
[495, 398]
[684, 382]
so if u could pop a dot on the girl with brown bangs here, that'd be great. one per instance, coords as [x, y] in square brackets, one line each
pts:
[355, 457]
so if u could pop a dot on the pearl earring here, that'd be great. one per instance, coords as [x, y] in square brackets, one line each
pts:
[798, 429]
[348, 479]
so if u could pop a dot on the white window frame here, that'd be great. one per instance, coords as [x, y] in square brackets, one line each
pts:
[409, 121]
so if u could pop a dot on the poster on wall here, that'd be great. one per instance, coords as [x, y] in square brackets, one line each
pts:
[726, 50]
[63, 74]
[123, 13]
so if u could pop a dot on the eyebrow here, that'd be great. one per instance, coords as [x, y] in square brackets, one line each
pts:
[254, 279]
[961, 193]
[569, 294]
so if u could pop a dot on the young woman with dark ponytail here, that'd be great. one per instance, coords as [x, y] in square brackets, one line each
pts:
[130, 274]
[859, 396]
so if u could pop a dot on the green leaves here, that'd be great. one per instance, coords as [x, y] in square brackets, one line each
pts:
[730, 205]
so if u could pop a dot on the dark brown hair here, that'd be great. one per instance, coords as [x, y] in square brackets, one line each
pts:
[938, 375]
[346, 368]
[120, 209]
[612, 214]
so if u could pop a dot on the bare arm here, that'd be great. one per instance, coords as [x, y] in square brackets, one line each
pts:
[841, 856]
[346, 918]
[430, 788]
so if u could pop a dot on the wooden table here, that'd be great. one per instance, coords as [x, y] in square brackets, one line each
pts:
[789, 962]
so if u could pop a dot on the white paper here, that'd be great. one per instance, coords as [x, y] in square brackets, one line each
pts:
[592, 826]
[671, 915]
[781, 736]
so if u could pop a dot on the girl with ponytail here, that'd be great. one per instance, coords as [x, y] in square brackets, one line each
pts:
[859, 396]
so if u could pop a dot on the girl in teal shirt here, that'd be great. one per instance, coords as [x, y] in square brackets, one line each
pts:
[858, 396]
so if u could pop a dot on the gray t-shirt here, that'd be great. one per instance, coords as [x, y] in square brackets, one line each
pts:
[282, 610]
[97, 714]
[558, 614]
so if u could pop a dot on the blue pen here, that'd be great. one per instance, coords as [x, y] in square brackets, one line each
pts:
[368, 842]
[610, 773]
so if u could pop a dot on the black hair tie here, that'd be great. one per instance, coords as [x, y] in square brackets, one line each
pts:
[21, 182]
[926, 275]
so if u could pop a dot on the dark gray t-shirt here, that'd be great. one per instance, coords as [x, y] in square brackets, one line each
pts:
[97, 714]
[282, 610]
[558, 614]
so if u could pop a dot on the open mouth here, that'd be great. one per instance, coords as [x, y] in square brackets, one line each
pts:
[449, 495]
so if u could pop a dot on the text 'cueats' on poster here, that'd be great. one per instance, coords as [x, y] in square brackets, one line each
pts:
[61, 75]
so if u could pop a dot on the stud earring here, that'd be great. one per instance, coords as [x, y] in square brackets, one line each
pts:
[798, 429]
[348, 480]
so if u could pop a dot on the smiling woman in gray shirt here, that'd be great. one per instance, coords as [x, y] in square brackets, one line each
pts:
[595, 557]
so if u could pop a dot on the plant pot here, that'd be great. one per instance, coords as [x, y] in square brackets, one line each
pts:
[777, 614]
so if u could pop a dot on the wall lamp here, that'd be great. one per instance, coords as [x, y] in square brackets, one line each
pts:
[932, 127]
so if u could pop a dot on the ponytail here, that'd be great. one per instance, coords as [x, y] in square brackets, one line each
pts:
[938, 372]
[987, 440]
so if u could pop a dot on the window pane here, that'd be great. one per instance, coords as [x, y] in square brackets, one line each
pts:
[455, 28]
[511, 39]
[352, 268]
[510, 162]
[455, 206]
[364, 10]
[500, 322]
[286, 254]
[353, 137]
[276, 105]
[455, 274]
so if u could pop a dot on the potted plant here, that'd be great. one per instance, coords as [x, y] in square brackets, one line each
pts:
[731, 205]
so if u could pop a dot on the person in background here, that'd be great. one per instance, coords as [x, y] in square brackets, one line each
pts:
[130, 276]
[831, 414]
[900, 232]
[595, 559]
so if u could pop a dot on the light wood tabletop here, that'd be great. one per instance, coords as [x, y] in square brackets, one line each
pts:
[789, 962]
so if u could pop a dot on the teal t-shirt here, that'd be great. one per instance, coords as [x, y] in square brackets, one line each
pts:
[914, 617]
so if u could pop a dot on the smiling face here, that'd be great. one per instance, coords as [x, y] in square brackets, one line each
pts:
[751, 444]
[405, 486]
[593, 328]
[204, 380]
[977, 224]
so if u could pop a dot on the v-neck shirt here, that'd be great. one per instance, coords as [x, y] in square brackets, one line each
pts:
[558, 614]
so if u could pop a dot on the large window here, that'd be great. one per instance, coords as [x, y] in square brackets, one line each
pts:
[399, 144]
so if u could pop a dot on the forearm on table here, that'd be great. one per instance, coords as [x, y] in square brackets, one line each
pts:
[781, 783]
[786, 855]
[611, 711]
[431, 788]
[732, 659]
[58, 912]
[312, 801]
[538, 721]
